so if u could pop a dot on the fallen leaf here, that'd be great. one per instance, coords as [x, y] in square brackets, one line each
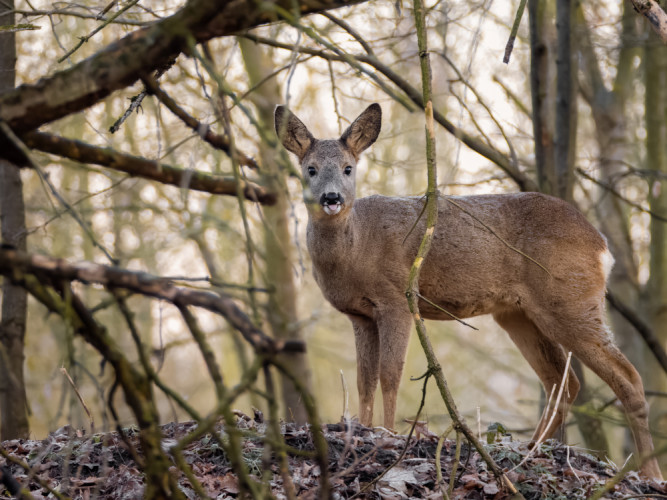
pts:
[491, 488]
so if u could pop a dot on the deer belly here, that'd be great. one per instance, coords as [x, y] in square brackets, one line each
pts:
[460, 307]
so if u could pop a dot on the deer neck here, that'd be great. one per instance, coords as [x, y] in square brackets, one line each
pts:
[331, 239]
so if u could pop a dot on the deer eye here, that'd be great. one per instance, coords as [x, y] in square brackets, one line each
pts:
[347, 170]
[312, 172]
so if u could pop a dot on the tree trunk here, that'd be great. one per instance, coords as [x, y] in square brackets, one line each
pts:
[656, 159]
[542, 85]
[566, 102]
[13, 401]
[281, 308]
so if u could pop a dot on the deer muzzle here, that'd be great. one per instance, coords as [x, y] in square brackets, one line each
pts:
[332, 203]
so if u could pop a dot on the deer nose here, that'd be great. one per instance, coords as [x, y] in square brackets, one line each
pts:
[331, 199]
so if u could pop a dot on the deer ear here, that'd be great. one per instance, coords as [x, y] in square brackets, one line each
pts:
[293, 134]
[364, 130]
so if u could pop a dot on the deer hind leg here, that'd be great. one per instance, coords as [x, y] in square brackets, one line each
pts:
[368, 365]
[394, 328]
[581, 328]
[595, 348]
[548, 360]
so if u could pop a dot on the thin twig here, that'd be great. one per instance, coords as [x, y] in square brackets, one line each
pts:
[273, 428]
[515, 30]
[349, 59]
[538, 442]
[13, 28]
[438, 465]
[63, 370]
[66, 12]
[440, 308]
[490, 229]
[321, 448]
[482, 102]
[346, 409]
[137, 100]
[203, 130]
[431, 221]
[106, 9]
[641, 327]
[414, 224]
[205, 348]
[609, 485]
[223, 115]
[618, 195]
[455, 464]
[360, 39]
[144, 360]
[135, 104]
[513, 97]
[567, 459]
[84, 39]
[9, 133]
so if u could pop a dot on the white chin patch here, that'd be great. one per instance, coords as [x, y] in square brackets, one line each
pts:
[332, 209]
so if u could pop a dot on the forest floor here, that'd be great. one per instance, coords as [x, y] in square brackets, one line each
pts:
[100, 466]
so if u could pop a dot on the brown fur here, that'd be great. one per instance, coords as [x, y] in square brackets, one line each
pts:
[362, 255]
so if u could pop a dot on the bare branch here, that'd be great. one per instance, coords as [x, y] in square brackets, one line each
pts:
[14, 264]
[656, 16]
[105, 23]
[121, 63]
[66, 11]
[513, 97]
[524, 182]
[618, 195]
[216, 140]
[412, 291]
[652, 341]
[480, 99]
[21, 146]
[514, 31]
[350, 30]
[137, 166]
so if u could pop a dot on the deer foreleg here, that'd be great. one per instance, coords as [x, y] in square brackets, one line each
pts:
[368, 366]
[394, 330]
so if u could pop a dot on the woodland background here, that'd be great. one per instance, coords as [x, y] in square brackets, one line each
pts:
[193, 187]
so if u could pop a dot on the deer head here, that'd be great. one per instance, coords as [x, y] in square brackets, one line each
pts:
[328, 166]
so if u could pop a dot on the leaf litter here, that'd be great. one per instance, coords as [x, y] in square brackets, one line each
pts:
[100, 466]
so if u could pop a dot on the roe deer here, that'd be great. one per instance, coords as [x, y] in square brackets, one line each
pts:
[549, 295]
